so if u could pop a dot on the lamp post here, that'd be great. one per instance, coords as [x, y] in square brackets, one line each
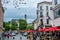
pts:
[25, 17]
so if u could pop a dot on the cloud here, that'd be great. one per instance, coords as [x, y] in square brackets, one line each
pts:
[29, 9]
[29, 3]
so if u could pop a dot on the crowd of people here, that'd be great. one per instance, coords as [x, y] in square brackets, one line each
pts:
[34, 35]
[54, 34]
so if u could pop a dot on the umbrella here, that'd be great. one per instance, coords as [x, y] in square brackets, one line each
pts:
[30, 31]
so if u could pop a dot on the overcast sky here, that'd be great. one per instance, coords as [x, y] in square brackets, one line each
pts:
[29, 8]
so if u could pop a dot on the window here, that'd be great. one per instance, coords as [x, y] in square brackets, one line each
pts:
[41, 21]
[50, 8]
[41, 14]
[47, 14]
[46, 7]
[40, 7]
[47, 21]
[55, 1]
[56, 14]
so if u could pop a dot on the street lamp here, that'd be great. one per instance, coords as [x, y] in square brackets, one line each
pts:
[25, 17]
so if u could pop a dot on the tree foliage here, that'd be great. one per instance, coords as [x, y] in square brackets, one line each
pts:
[14, 26]
[30, 28]
[6, 26]
[22, 24]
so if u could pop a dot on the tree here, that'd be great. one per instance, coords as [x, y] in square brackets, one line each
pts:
[3, 24]
[30, 28]
[7, 26]
[22, 24]
[14, 26]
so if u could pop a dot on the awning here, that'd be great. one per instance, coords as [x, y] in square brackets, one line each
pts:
[30, 31]
[53, 29]
[43, 30]
[48, 29]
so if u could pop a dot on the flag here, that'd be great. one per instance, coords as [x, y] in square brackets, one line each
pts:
[47, 17]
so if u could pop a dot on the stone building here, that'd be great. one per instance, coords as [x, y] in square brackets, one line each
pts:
[56, 10]
[1, 16]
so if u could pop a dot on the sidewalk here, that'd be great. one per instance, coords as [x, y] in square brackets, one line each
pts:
[38, 38]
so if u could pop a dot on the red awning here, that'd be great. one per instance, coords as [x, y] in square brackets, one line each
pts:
[43, 30]
[40, 30]
[53, 29]
[48, 29]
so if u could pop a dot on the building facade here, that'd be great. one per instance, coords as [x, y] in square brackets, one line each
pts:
[44, 16]
[35, 24]
[56, 10]
[1, 17]
[1, 14]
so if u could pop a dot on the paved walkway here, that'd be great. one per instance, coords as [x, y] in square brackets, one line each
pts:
[17, 37]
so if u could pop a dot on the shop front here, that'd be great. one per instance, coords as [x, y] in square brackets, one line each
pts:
[52, 33]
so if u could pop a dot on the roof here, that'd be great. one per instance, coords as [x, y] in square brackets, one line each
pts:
[46, 2]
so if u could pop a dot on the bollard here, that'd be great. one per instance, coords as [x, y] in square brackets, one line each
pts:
[0, 38]
[13, 37]
[20, 37]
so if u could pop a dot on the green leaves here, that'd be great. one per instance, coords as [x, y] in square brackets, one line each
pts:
[6, 26]
[14, 26]
[22, 24]
[30, 28]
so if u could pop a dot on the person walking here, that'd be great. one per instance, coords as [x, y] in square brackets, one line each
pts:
[3, 36]
[34, 35]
